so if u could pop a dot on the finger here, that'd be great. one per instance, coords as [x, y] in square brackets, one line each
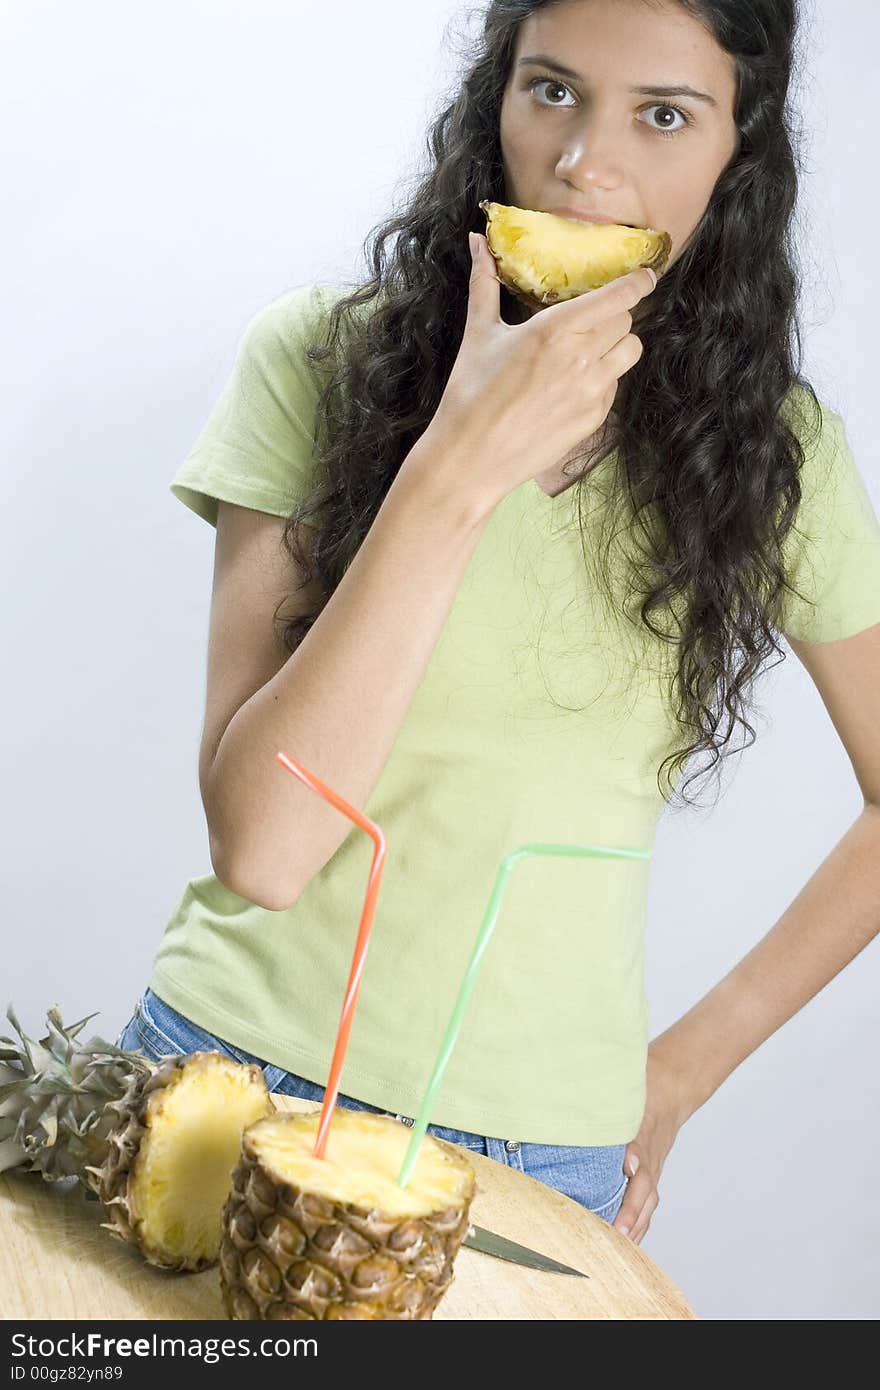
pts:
[643, 1221]
[623, 354]
[637, 1190]
[602, 337]
[623, 292]
[484, 292]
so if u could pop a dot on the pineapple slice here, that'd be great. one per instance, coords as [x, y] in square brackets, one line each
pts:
[543, 258]
[336, 1237]
[168, 1175]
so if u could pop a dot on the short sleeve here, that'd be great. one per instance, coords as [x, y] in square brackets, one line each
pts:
[256, 446]
[832, 552]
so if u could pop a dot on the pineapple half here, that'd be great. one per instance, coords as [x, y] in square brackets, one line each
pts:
[543, 258]
[154, 1142]
[336, 1237]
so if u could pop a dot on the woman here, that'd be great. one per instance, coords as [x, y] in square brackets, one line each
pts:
[531, 565]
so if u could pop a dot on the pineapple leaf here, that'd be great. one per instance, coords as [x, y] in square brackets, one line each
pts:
[54, 1017]
[38, 1057]
[113, 1052]
[80, 1129]
[10, 1094]
[10, 1154]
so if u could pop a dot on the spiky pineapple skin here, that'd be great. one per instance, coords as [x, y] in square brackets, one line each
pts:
[290, 1255]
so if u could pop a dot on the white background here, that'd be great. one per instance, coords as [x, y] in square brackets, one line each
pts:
[167, 171]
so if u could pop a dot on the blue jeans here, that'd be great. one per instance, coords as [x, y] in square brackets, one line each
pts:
[593, 1176]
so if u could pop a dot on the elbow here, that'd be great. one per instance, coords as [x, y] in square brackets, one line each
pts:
[238, 880]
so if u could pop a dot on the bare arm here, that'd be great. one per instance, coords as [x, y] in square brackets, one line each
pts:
[338, 702]
[508, 412]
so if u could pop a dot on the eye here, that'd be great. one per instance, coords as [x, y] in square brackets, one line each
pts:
[546, 82]
[662, 106]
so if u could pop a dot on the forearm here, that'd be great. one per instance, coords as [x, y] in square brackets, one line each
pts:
[338, 702]
[831, 920]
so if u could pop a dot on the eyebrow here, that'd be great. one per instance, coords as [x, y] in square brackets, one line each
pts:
[679, 90]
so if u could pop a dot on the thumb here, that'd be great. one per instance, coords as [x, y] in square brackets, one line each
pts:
[484, 296]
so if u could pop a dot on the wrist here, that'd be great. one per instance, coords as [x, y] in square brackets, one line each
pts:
[436, 472]
[681, 1093]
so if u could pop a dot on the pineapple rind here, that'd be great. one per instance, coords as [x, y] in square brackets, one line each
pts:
[542, 258]
[291, 1252]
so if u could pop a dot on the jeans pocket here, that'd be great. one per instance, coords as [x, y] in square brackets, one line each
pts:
[130, 1039]
[608, 1210]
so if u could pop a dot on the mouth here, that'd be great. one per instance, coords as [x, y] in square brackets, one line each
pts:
[594, 219]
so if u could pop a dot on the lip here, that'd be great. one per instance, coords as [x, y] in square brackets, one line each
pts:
[585, 216]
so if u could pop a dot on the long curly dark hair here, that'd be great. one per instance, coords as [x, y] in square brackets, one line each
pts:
[708, 466]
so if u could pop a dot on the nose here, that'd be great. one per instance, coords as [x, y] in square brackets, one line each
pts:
[592, 156]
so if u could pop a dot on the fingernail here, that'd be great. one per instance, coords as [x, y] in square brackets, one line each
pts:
[633, 1162]
[624, 1230]
[652, 274]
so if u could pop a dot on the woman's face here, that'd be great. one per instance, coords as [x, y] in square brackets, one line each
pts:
[584, 139]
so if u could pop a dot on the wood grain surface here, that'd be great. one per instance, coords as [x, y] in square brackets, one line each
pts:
[56, 1261]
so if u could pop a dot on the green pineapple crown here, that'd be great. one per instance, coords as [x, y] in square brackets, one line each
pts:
[60, 1100]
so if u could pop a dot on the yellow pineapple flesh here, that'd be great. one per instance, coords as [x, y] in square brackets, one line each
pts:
[543, 258]
[336, 1237]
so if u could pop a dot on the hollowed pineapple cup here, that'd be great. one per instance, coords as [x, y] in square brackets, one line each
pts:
[336, 1237]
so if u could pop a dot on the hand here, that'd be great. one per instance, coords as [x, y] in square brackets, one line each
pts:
[520, 397]
[665, 1113]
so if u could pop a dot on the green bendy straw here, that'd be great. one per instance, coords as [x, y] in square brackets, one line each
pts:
[487, 926]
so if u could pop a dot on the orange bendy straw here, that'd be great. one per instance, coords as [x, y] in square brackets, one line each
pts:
[363, 937]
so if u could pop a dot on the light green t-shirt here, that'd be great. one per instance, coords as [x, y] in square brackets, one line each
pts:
[553, 1045]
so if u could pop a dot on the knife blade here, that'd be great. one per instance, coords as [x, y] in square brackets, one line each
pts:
[478, 1238]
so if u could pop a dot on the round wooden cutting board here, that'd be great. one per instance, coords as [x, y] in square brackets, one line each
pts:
[56, 1261]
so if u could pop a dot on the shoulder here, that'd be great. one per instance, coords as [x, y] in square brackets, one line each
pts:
[820, 431]
[809, 416]
[277, 335]
[295, 314]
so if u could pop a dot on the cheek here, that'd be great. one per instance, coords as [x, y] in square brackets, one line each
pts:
[505, 121]
[681, 201]
[517, 134]
[510, 143]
